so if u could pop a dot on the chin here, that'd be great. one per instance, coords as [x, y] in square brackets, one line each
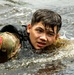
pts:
[38, 48]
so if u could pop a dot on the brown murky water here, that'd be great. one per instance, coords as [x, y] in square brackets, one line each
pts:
[58, 61]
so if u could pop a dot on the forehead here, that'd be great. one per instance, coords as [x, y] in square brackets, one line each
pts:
[46, 28]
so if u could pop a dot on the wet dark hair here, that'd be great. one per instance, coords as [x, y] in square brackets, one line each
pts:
[48, 18]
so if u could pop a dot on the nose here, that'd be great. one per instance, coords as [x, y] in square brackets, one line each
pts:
[43, 37]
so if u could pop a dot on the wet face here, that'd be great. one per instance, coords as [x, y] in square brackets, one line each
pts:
[41, 36]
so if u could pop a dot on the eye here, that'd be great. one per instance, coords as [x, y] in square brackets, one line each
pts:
[39, 30]
[50, 34]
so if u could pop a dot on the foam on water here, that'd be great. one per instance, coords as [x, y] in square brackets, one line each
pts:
[20, 12]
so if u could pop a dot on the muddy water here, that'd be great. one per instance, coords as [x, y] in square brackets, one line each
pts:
[58, 62]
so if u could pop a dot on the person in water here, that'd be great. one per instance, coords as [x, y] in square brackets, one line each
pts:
[41, 33]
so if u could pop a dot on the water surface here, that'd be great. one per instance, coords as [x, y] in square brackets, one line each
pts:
[57, 63]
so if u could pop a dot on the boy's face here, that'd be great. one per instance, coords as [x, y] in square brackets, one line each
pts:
[41, 36]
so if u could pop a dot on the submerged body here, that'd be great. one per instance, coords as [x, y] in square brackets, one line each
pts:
[52, 58]
[47, 62]
[11, 46]
[41, 33]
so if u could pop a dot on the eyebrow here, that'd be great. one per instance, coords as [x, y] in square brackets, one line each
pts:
[40, 28]
[49, 31]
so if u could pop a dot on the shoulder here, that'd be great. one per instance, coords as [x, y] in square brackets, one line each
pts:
[12, 28]
[16, 29]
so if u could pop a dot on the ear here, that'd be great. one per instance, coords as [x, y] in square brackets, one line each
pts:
[57, 36]
[28, 28]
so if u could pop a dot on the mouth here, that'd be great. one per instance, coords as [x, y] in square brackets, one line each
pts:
[41, 44]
